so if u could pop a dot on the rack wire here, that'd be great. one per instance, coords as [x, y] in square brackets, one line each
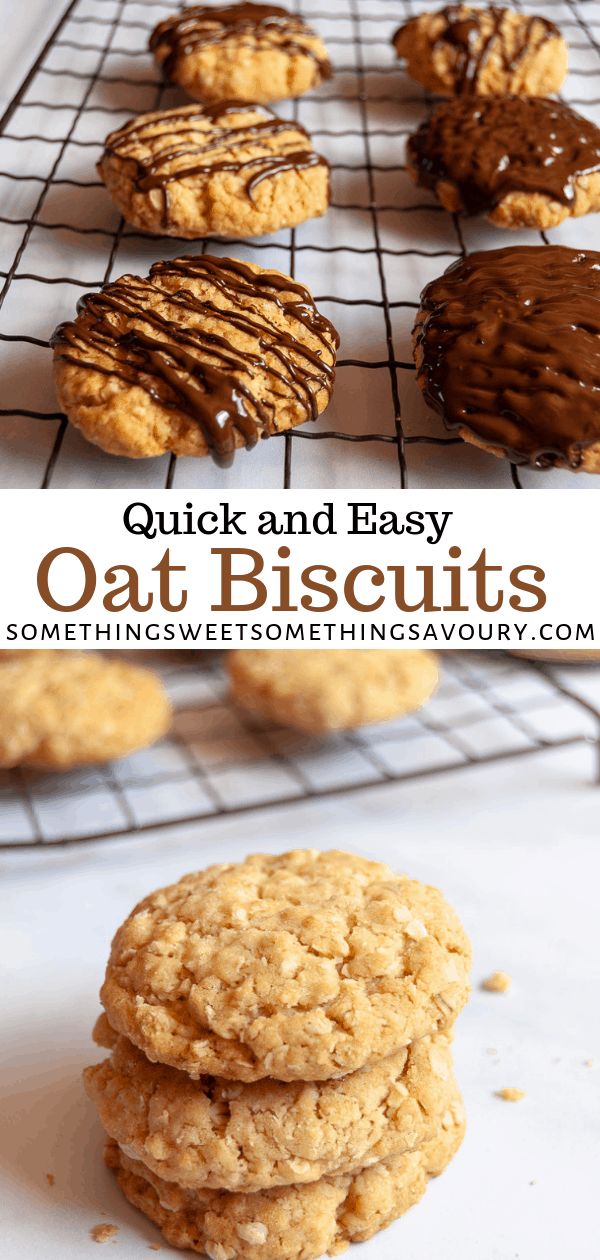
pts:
[366, 260]
[220, 762]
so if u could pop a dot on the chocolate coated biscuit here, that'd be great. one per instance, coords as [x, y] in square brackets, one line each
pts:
[507, 348]
[523, 161]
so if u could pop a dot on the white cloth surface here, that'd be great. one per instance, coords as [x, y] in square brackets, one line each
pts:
[513, 845]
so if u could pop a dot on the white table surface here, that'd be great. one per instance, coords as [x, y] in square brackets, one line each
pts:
[515, 848]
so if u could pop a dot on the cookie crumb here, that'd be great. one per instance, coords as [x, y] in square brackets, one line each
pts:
[510, 1094]
[498, 982]
[50, 1178]
[103, 1233]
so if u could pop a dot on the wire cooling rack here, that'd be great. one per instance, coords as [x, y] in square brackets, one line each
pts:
[220, 762]
[366, 260]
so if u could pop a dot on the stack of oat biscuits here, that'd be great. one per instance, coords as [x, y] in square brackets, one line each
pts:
[280, 1079]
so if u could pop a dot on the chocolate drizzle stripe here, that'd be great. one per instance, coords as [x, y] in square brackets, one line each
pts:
[187, 137]
[489, 147]
[508, 348]
[256, 26]
[182, 362]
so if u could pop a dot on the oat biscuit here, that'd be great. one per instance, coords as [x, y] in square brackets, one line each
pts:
[291, 1222]
[204, 355]
[303, 966]
[218, 1134]
[66, 709]
[218, 170]
[507, 348]
[489, 52]
[318, 690]
[522, 161]
[241, 52]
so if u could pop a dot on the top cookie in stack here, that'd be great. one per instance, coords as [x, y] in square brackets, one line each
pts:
[303, 966]
[280, 1081]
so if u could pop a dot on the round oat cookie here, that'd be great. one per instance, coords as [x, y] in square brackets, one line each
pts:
[302, 966]
[488, 51]
[66, 709]
[507, 348]
[317, 690]
[523, 161]
[291, 1222]
[212, 1133]
[224, 169]
[240, 52]
[203, 355]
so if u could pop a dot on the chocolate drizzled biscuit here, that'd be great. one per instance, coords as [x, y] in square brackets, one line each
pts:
[459, 49]
[507, 347]
[205, 354]
[525, 161]
[219, 169]
[256, 52]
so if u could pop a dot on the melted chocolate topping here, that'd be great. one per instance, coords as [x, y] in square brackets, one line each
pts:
[475, 43]
[491, 146]
[509, 343]
[187, 149]
[152, 333]
[261, 25]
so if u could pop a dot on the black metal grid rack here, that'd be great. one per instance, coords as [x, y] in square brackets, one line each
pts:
[219, 762]
[93, 72]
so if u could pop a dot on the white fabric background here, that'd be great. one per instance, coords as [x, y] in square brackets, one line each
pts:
[514, 846]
